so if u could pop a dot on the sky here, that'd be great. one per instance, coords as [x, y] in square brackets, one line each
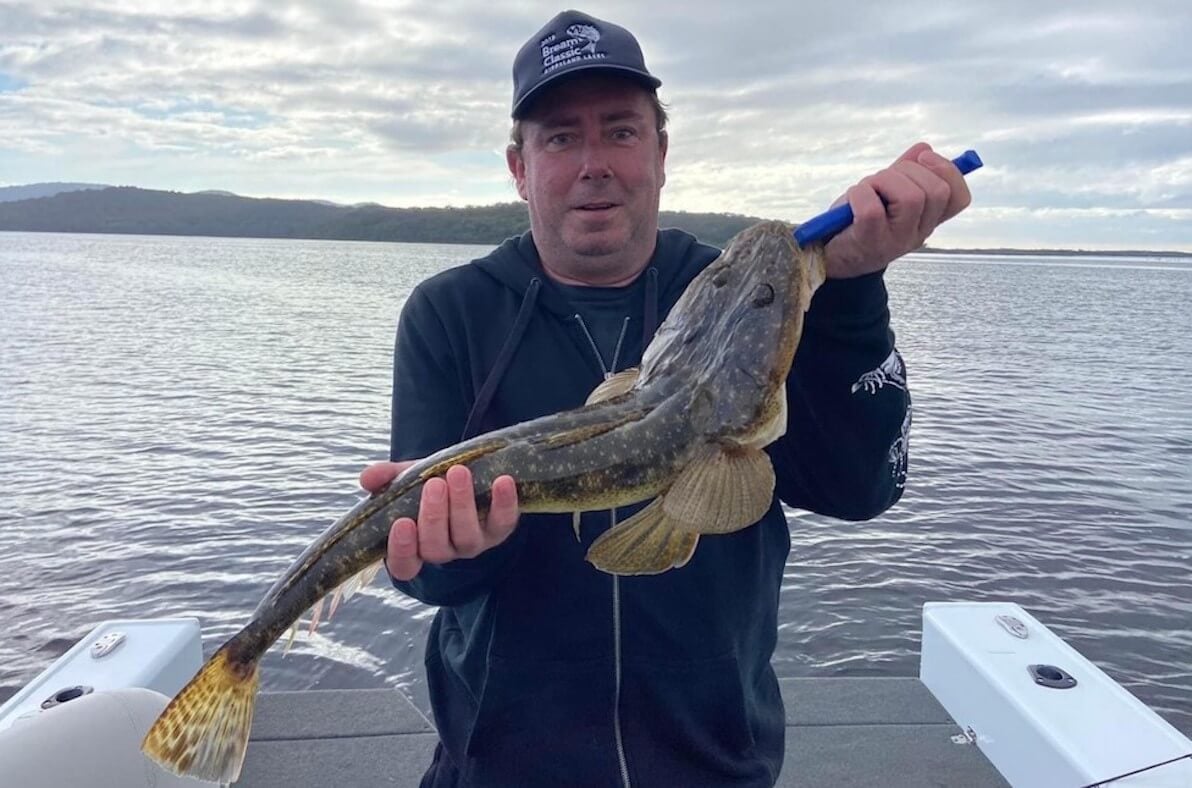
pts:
[1082, 111]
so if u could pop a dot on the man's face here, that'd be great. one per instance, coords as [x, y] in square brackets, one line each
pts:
[591, 168]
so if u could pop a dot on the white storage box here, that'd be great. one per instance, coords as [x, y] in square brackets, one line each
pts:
[158, 654]
[91, 742]
[1043, 714]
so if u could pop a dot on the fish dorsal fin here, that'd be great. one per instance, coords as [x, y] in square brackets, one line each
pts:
[648, 543]
[613, 386]
[724, 489]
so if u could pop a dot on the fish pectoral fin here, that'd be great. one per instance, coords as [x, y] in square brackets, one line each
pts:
[724, 489]
[575, 521]
[613, 386]
[648, 543]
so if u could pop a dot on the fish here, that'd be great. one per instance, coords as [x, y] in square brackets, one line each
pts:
[686, 428]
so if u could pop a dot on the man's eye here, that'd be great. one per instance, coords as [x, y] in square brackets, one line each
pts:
[557, 140]
[624, 134]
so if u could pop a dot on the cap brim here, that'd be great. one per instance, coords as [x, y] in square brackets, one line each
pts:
[643, 77]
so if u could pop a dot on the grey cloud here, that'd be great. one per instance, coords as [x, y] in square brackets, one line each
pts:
[777, 107]
[1120, 144]
[29, 20]
[427, 133]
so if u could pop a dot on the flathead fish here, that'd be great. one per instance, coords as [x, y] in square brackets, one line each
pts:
[687, 429]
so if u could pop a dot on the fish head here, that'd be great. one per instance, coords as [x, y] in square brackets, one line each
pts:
[732, 335]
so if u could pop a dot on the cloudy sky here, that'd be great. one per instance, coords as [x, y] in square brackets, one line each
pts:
[1081, 110]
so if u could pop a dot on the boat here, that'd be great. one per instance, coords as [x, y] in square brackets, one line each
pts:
[999, 700]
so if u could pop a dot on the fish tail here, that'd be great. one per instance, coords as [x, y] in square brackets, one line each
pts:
[203, 732]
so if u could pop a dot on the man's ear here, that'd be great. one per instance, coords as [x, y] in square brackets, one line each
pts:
[517, 168]
[663, 142]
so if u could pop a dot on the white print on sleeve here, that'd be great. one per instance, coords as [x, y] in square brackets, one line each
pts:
[898, 451]
[889, 372]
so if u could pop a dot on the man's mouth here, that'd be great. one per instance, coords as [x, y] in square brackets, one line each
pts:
[596, 206]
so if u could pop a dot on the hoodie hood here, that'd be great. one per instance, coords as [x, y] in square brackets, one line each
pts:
[515, 264]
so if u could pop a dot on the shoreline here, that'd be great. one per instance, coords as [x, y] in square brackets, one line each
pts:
[1171, 254]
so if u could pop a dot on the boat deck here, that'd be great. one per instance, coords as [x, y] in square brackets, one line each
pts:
[840, 732]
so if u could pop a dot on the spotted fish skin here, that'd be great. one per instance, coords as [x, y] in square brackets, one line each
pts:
[708, 395]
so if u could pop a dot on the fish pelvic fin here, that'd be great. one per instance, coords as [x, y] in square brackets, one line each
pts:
[203, 732]
[614, 386]
[648, 543]
[724, 489]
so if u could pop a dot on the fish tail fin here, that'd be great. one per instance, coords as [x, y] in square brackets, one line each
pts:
[646, 544]
[203, 732]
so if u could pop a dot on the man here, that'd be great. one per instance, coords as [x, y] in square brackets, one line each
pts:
[542, 670]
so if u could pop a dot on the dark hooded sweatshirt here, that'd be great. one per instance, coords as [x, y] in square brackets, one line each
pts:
[544, 671]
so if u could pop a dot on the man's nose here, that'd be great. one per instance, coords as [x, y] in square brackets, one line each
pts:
[596, 162]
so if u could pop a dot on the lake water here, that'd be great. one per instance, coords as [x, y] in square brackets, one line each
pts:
[179, 417]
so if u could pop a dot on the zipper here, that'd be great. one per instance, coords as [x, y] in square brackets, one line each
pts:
[617, 668]
[621, 760]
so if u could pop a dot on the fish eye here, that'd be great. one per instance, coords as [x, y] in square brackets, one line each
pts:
[721, 278]
[763, 295]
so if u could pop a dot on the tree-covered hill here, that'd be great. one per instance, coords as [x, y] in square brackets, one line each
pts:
[148, 212]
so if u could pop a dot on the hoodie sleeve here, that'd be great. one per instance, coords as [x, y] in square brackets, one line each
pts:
[845, 450]
[430, 408]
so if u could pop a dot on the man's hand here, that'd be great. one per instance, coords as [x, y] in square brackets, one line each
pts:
[922, 190]
[448, 527]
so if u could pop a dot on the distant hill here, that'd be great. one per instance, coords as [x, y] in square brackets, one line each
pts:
[35, 190]
[147, 212]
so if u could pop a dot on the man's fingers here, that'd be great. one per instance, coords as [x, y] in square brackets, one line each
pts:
[903, 198]
[502, 512]
[959, 195]
[377, 475]
[434, 542]
[914, 152]
[401, 558]
[465, 534]
[936, 192]
[869, 213]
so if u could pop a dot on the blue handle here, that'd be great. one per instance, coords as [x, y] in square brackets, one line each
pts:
[827, 224]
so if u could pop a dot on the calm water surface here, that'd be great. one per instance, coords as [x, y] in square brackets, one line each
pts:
[179, 417]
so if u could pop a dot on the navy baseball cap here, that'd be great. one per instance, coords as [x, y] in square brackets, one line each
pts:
[572, 42]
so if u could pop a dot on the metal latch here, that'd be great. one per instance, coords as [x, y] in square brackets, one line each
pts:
[1014, 626]
[106, 645]
[968, 737]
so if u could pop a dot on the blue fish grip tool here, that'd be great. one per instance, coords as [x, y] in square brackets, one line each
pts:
[827, 224]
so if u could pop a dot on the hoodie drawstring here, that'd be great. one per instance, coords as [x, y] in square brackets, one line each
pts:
[650, 319]
[485, 396]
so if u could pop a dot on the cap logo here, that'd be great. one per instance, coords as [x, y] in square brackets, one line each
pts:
[580, 44]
